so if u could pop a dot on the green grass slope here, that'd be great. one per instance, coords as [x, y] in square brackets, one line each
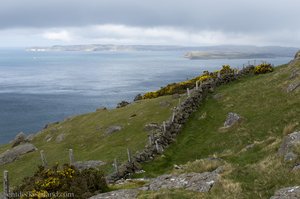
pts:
[85, 134]
[268, 113]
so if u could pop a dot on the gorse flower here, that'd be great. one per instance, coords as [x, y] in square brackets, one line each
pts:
[46, 183]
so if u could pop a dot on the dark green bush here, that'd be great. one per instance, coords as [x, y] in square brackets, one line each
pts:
[67, 182]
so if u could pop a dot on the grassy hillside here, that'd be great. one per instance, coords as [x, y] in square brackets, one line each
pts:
[85, 134]
[249, 149]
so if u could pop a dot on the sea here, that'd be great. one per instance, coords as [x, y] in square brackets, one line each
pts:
[37, 88]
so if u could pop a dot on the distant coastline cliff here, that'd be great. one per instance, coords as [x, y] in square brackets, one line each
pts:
[200, 52]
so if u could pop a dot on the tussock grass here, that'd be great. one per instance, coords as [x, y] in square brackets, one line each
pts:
[289, 128]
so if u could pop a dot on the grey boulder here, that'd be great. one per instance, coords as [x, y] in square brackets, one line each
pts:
[113, 129]
[287, 193]
[20, 138]
[286, 148]
[232, 118]
[14, 153]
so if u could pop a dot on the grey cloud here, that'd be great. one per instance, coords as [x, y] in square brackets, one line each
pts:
[229, 15]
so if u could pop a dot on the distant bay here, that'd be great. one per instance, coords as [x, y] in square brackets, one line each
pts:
[41, 87]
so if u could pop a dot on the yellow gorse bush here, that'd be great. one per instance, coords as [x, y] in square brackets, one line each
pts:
[181, 87]
[263, 68]
[57, 181]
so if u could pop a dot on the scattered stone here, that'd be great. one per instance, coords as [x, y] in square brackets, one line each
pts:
[199, 182]
[286, 148]
[165, 104]
[290, 156]
[81, 165]
[177, 167]
[294, 74]
[113, 129]
[19, 139]
[250, 146]
[232, 118]
[287, 193]
[133, 115]
[118, 194]
[296, 168]
[30, 137]
[297, 55]
[293, 86]
[50, 124]
[138, 97]
[103, 108]
[60, 138]
[48, 138]
[218, 96]
[175, 96]
[152, 127]
[140, 171]
[122, 104]
[203, 116]
[14, 153]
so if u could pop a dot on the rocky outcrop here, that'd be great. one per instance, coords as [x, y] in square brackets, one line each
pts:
[19, 139]
[232, 119]
[199, 182]
[138, 97]
[287, 193]
[122, 104]
[112, 129]
[295, 73]
[297, 55]
[103, 108]
[286, 148]
[81, 165]
[30, 137]
[61, 137]
[14, 153]
[118, 194]
[293, 86]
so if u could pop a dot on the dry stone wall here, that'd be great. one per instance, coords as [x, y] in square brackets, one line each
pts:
[166, 135]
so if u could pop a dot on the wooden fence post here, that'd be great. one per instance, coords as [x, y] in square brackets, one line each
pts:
[150, 140]
[173, 115]
[43, 158]
[188, 92]
[116, 165]
[164, 126]
[71, 156]
[5, 185]
[157, 147]
[129, 155]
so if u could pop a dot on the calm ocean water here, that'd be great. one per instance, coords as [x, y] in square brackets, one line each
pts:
[41, 87]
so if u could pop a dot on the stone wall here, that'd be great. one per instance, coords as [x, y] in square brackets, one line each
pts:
[168, 132]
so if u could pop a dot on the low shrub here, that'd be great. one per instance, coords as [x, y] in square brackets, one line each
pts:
[263, 68]
[181, 87]
[67, 182]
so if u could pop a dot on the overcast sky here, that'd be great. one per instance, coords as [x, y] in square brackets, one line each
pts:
[169, 22]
